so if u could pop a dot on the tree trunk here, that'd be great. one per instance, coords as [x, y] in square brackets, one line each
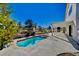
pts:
[1, 45]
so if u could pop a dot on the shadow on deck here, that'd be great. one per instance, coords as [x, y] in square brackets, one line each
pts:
[62, 39]
[70, 40]
[74, 43]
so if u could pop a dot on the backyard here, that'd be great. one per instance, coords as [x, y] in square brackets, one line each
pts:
[32, 38]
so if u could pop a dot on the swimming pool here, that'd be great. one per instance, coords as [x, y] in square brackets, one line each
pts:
[29, 42]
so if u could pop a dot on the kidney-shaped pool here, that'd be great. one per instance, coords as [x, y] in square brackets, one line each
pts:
[29, 42]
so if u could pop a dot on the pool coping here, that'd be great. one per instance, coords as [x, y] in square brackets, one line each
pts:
[40, 43]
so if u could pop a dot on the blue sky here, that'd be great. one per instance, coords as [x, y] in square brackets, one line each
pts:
[41, 13]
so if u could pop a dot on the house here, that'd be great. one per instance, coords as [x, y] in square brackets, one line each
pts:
[70, 25]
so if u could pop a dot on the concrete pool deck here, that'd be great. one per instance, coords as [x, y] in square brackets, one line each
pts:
[49, 47]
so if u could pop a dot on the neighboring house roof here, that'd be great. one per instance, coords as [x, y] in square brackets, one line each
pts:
[62, 24]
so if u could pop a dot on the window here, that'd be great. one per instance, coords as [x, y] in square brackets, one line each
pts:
[70, 10]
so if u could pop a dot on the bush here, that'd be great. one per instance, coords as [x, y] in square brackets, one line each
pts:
[8, 27]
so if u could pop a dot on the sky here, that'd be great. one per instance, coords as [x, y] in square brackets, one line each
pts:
[43, 14]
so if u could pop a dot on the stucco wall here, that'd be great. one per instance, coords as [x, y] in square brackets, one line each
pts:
[66, 25]
[77, 16]
[72, 17]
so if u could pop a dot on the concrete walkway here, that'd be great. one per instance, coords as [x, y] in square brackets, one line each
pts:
[49, 47]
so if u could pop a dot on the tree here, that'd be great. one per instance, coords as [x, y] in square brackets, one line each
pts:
[19, 25]
[49, 27]
[29, 23]
[30, 26]
[9, 28]
[40, 29]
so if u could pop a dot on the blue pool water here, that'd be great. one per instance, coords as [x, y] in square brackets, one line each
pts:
[30, 42]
